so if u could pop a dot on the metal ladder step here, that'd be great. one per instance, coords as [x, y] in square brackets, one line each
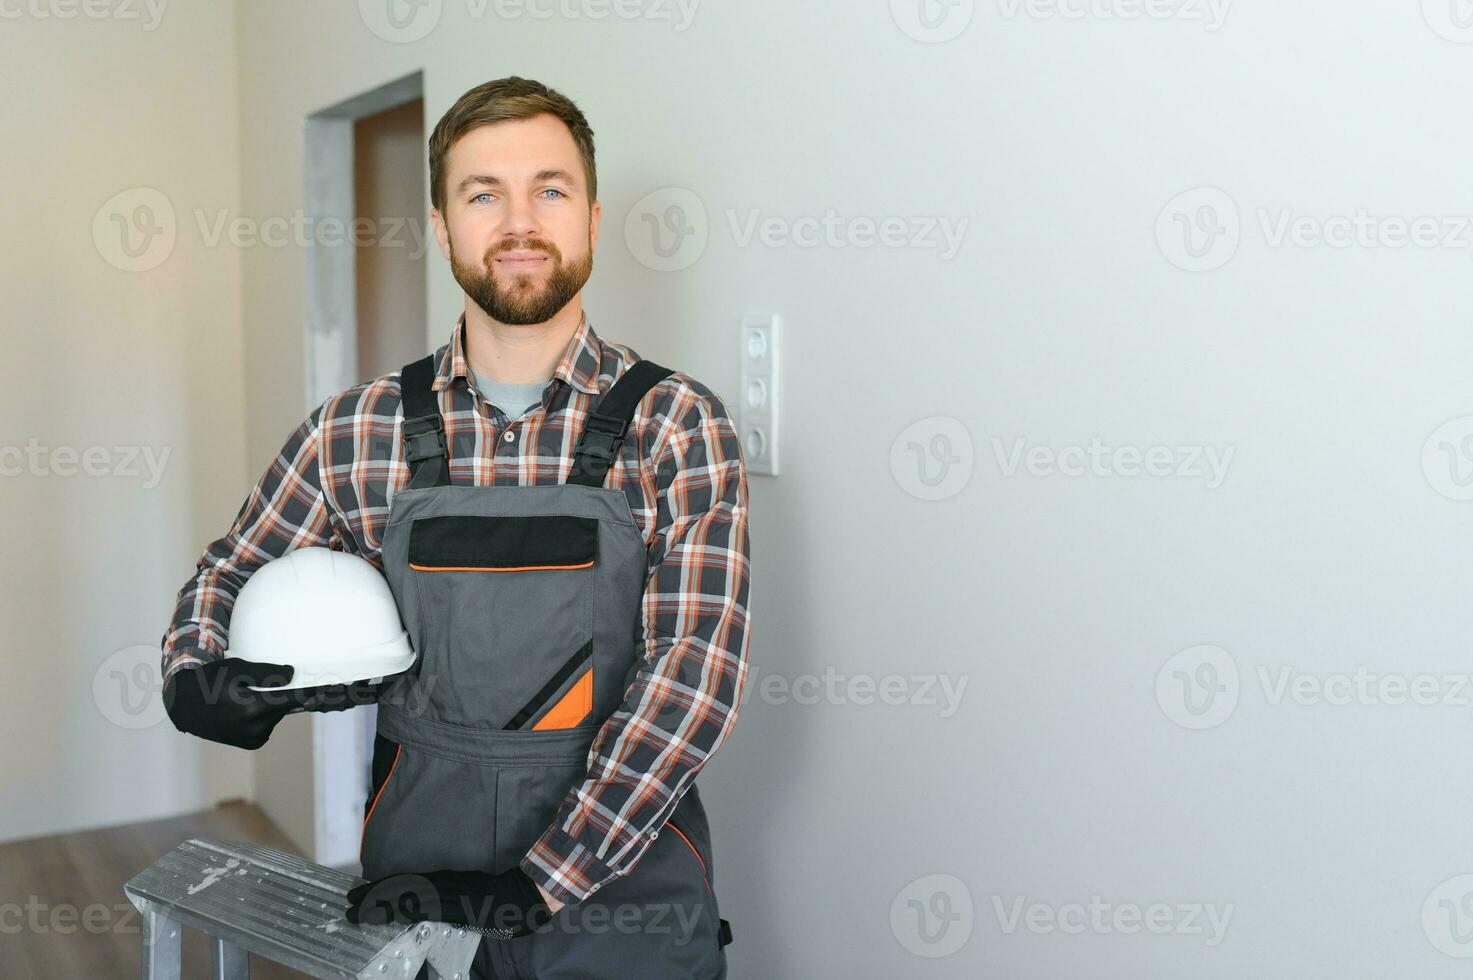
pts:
[255, 899]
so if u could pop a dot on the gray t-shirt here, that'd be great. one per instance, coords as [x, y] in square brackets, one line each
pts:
[512, 399]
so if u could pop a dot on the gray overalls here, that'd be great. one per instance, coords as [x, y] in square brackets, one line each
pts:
[522, 604]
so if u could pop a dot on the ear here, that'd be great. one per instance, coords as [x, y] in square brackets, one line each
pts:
[441, 234]
[593, 215]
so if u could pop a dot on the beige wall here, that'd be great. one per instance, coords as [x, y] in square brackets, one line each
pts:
[113, 361]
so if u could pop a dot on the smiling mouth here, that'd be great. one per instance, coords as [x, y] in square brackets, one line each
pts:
[527, 262]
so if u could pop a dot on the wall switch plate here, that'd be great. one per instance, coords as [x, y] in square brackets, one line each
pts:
[757, 411]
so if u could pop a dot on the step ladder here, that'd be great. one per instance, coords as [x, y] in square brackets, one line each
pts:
[254, 899]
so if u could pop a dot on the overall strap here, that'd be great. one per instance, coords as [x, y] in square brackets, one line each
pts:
[598, 445]
[424, 432]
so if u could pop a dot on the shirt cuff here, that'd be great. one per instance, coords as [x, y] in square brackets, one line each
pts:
[187, 656]
[568, 870]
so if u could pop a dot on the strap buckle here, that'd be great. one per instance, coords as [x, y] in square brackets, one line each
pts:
[425, 438]
[601, 436]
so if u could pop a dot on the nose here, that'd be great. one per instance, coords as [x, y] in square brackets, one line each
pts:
[520, 220]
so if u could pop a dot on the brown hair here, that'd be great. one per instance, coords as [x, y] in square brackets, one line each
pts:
[506, 98]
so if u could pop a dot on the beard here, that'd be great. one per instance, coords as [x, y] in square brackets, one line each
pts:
[518, 299]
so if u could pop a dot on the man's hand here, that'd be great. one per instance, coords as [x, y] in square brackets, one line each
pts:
[553, 904]
[215, 701]
[507, 905]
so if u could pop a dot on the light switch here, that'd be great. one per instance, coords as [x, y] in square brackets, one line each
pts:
[758, 425]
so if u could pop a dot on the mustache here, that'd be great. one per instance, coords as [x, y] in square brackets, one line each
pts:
[535, 245]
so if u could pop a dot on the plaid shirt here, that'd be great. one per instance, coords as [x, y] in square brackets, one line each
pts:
[331, 485]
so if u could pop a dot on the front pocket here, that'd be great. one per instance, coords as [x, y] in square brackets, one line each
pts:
[430, 812]
[385, 760]
[575, 703]
[505, 617]
[705, 872]
[502, 544]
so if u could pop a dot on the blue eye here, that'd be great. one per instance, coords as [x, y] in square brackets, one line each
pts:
[554, 190]
[481, 195]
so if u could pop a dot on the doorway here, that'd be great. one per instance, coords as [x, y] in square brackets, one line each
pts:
[366, 315]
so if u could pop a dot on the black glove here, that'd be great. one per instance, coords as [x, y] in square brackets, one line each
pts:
[338, 697]
[216, 702]
[506, 905]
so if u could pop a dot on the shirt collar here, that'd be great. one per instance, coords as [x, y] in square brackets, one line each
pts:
[579, 365]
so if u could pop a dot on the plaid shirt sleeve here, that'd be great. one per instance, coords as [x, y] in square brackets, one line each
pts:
[286, 510]
[686, 695]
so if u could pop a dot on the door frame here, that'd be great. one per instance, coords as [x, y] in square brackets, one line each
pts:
[342, 742]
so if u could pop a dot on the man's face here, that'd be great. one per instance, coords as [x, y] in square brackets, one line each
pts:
[517, 228]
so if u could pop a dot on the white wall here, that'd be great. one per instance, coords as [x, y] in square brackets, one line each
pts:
[107, 362]
[1059, 600]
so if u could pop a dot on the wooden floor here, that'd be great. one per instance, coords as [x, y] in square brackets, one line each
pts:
[63, 913]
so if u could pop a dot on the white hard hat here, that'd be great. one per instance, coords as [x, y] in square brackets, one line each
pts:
[329, 614]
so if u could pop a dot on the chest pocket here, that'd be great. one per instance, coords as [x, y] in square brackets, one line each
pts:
[507, 613]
